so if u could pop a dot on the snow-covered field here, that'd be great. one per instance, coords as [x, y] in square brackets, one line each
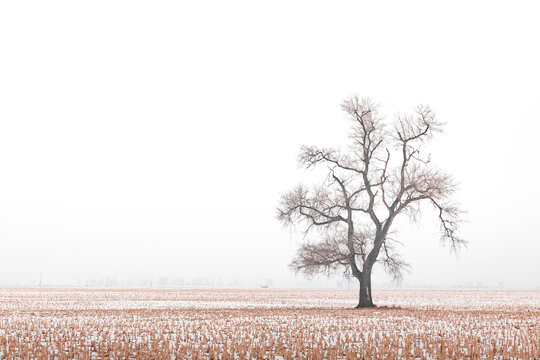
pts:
[45, 323]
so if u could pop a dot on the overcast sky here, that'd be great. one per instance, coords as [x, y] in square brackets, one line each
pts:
[149, 139]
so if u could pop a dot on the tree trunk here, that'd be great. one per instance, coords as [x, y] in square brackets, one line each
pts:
[365, 290]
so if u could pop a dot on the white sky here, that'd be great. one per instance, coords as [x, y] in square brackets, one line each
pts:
[145, 139]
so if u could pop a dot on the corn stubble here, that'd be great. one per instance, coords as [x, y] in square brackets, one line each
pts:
[267, 324]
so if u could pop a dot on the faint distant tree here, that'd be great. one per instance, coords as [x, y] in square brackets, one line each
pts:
[382, 174]
[163, 281]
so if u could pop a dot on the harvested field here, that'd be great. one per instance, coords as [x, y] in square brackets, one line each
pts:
[47, 323]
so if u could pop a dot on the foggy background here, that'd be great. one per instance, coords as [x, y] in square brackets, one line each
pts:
[148, 143]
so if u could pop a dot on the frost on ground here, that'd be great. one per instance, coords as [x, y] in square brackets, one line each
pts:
[267, 324]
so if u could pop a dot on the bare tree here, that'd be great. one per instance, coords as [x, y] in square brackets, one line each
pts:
[382, 174]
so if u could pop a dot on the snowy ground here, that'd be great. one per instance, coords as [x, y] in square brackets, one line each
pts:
[267, 323]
